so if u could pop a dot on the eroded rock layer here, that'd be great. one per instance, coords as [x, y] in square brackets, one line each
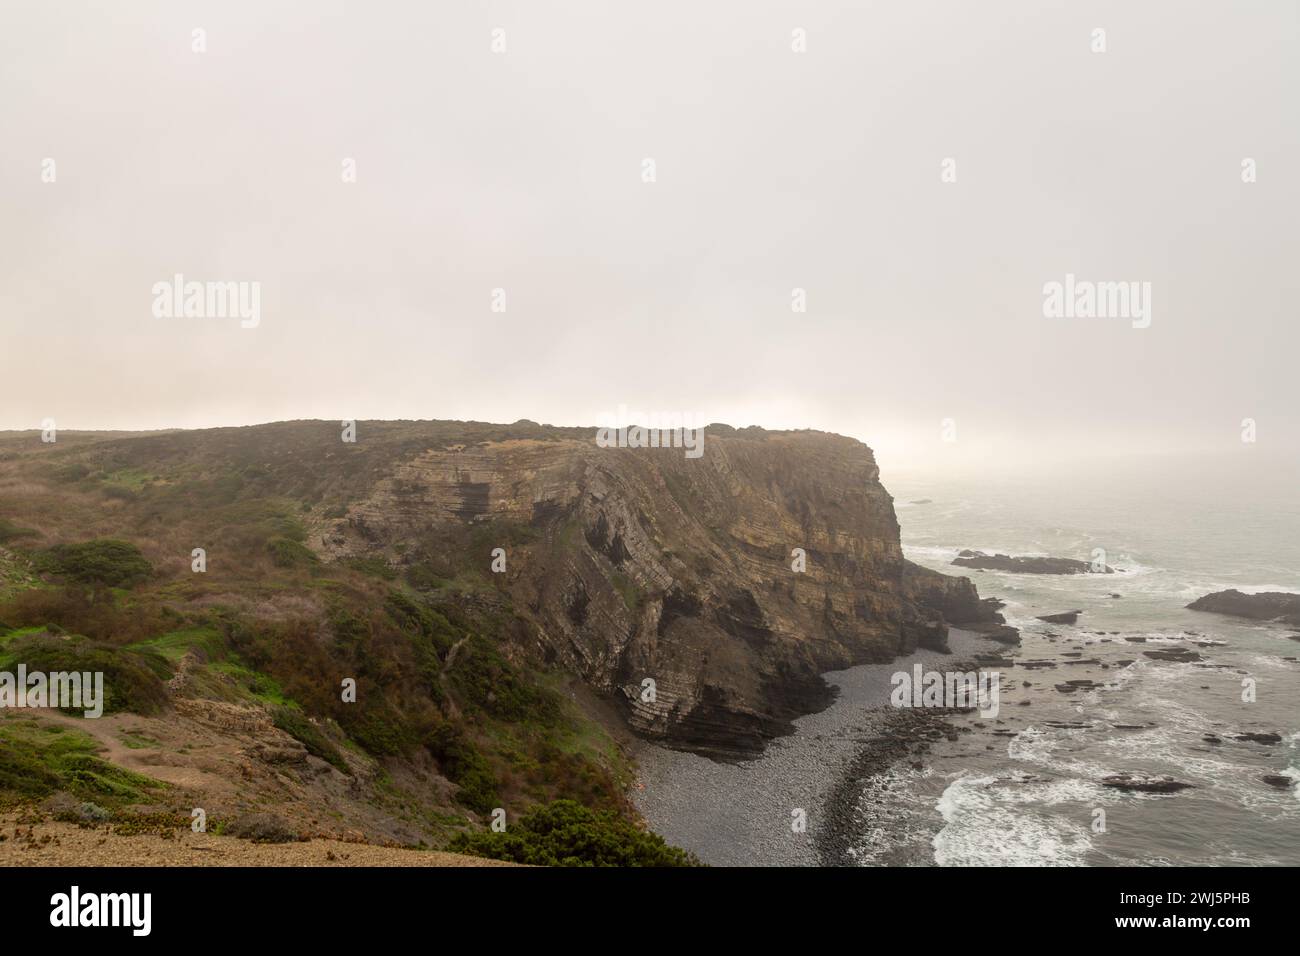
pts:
[643, 565]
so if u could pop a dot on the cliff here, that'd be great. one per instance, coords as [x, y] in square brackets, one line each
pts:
[669, 584]
[644, 564]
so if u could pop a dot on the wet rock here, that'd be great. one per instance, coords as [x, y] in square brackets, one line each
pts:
[1070, 686]
[1024, 565]
[1266, 606]
[1178, 655]
[1065, 617]
[1142, 783]
[1259, 738]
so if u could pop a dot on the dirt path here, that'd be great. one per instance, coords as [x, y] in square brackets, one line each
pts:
[66, 844]
[110, 733]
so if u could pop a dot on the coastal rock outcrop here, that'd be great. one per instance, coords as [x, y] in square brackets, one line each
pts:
[1142, 783]
[1065, 617]
[957, 600]
[707, 595]
[1026, 565]
[1265, 606]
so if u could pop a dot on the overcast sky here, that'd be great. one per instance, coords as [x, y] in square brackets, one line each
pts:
[774, 169]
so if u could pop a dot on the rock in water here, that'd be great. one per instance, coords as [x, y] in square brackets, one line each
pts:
[1260, 738]
[1265, 606]
[1030, 565]
[1142, 783]
[1065, 617]
[1179, 655]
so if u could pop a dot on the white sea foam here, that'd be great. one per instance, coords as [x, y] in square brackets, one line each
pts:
[991, 821]
[1294, 774]
[1264, 660]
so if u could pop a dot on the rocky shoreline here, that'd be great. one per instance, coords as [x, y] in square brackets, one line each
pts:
[740, 813]
[904, 735]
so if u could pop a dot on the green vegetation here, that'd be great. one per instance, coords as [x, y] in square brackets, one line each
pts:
[296, 725]
[176, 644]
[102, 563]
[12, 532]
[287, 553]
[133, 679]
[565, 833]
[374, 567]
[627, 588]
[465, 766]
[448, 681]
[489, 683]
[251, 686]
[37, 760]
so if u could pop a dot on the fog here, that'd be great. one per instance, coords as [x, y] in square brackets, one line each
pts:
[774, 170]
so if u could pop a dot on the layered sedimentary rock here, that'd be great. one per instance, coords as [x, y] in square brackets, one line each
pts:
[955, 598]
[643, 565]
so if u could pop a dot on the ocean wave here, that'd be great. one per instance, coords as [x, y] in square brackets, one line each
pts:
[990, 821]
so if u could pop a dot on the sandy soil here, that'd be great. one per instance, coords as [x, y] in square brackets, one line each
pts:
[66, 844]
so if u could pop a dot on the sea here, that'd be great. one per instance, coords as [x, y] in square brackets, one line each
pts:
[1027, 787]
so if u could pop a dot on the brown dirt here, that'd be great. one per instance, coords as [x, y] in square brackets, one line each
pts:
[67, 844]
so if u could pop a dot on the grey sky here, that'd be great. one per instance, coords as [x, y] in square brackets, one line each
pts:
[775, 170]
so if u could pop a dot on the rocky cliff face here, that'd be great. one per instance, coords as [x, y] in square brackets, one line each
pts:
[955, 598]
[633, 566]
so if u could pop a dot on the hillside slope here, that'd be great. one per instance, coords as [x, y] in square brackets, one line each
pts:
[625, 569]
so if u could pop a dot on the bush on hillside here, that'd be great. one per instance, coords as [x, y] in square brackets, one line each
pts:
[464, 765]
[133, 679]
[565, 833]
[287, 553]
[12, 532]
[101, 563]
[296, 725]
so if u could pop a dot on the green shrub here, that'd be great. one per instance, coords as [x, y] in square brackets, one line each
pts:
[12, 532]
[374, 567]
[463, 764]
[37, 760]
[489, 682]
[381, 731]
[565, 833]
[287, 553]
[296, 725]
[101, 563]
[133, 678]
[414, 617]
[424, 578]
